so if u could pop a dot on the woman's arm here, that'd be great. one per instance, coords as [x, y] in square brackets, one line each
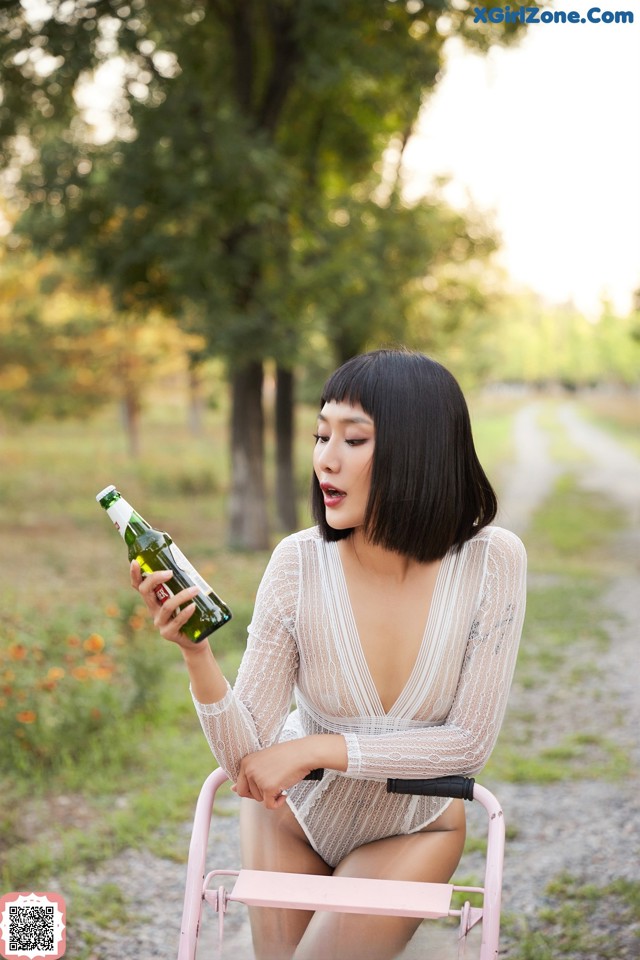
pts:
[250, 717]
[242, 725]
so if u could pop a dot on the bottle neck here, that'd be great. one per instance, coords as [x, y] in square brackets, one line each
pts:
[127, 522]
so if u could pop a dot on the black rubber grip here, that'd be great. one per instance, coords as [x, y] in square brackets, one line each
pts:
[457, 787]
[315, 774]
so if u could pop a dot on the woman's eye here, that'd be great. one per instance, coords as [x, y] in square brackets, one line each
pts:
[322, 438]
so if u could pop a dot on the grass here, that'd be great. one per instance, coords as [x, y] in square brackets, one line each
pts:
[617, 413]
[579, 920]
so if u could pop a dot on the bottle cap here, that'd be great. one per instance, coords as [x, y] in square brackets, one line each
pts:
[104, 492]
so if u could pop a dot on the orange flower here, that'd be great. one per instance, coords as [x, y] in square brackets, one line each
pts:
[55, 673]
[136, 622]
[94, 643]
[17, 651]
[112, 610]
[9, 675]
[73, 640]
[102, 673]
[26, 716]
[80, 673]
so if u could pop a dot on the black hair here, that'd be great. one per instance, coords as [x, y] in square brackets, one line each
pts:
[428, 492]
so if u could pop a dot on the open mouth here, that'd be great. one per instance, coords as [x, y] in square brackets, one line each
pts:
[332, 495]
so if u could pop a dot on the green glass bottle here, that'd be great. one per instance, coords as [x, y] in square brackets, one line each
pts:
[156, 551]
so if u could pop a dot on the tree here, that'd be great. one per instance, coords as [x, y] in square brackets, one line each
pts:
[238, 127]
[61, 354]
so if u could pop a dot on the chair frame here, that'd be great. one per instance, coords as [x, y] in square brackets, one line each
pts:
[349, 895]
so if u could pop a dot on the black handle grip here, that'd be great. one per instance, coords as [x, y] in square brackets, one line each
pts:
[457, 787]
[315, 774]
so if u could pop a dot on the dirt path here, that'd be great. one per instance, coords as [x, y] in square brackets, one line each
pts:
[589, 829]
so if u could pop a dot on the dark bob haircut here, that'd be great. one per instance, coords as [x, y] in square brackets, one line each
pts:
[428, 492]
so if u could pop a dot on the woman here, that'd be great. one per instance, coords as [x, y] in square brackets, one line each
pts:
[395, 622]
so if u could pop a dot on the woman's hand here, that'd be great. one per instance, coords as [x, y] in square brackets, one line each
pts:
[166, 616]
[264, 775]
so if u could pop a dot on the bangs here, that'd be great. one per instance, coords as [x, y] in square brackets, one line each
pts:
[353, 383]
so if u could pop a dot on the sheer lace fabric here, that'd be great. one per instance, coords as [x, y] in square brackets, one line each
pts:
[303, 643]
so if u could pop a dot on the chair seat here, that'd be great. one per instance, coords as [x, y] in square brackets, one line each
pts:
[299, 891]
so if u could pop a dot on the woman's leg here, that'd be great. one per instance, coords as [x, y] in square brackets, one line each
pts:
[429, 856]
[274, 840]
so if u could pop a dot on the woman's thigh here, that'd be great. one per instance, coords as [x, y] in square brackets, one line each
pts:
[430, 856]
[274, 840]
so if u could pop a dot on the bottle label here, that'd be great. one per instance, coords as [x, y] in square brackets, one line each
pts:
[120, 513]
[187, 567]
[162, 593]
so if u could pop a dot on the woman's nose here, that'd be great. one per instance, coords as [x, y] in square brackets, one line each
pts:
[327, 456]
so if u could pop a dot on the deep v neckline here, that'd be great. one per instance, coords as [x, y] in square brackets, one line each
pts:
[352, 652]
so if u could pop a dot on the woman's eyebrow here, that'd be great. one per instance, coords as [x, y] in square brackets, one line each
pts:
[354, 419]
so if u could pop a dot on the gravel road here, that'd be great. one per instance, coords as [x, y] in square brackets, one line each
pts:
[587, 828]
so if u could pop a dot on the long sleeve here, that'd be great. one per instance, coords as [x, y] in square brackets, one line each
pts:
[251, 716]
[463, 743]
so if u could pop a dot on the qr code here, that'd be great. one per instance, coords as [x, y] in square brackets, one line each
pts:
[31, 928]
[32, 925]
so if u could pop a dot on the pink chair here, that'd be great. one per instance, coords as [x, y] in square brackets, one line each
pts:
[344, 894]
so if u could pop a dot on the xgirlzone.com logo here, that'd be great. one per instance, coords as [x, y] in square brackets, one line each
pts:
[537, 15]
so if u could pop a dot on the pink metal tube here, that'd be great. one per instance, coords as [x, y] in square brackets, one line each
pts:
[192, 908]
[493, 873]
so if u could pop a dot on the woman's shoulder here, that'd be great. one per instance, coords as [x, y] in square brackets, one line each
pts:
[500, 540]
[296, 543]
[309, 535]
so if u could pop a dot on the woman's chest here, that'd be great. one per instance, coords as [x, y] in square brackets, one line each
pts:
[372, 652]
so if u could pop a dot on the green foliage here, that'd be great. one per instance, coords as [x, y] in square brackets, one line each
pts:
[540, 345]
[64, 351]
[52, 338]
[241, 135]
[68, 697]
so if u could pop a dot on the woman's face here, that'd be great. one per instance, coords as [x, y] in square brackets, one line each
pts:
[342, 459]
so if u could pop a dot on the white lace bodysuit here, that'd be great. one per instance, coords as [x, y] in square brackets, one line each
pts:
[303, 641]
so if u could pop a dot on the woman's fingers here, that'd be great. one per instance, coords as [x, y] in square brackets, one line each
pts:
[136, 574]
[257, 783]
[164, 606]
[168, 611]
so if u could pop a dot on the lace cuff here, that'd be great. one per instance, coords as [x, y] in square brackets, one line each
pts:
[213, 709]
[354, 755]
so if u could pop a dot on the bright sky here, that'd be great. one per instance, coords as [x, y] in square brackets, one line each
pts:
[547, 137]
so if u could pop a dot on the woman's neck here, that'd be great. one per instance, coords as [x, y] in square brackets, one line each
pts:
[377, 561]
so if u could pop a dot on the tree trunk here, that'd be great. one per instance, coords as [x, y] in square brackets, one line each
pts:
[285, 473]
[247, 503]
[131, 408]
[196, 398]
